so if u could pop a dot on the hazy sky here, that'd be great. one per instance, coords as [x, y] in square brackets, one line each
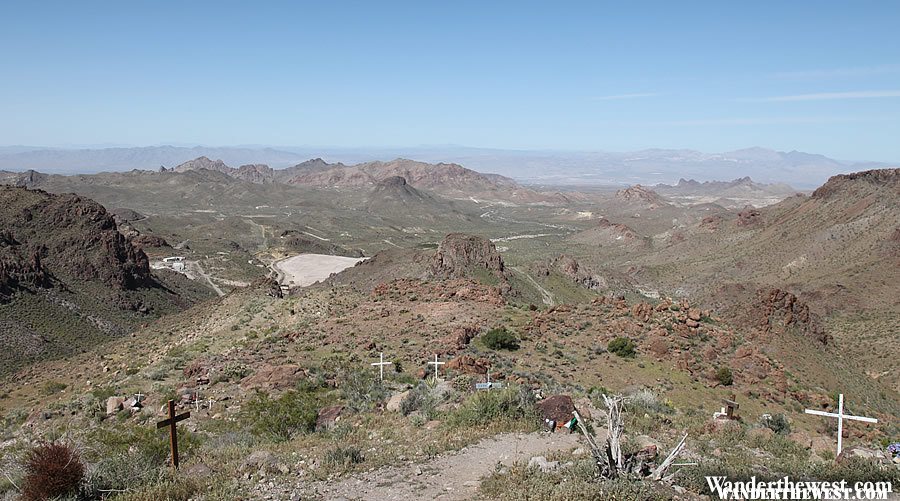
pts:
[815, 76]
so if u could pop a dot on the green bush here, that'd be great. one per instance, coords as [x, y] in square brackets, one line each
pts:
[282, 418]
[778, 423]
[362, 391]
[419, 398]
[724, 376]
[622, 346]
[500, 339]
[484, 407]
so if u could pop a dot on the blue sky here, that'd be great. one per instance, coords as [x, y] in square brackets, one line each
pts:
[820, 76]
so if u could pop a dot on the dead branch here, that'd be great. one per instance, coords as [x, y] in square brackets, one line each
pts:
[664, 466]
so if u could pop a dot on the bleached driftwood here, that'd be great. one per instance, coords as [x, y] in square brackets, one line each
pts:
[610, 460]
[667, 463]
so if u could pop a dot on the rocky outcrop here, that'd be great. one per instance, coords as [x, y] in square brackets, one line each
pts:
[65, 236]
[569, 267]
[467, 364]
[886, 178]
[749, 217]
[460, 255]
[255, 173]
[146, 241]
[776, 310]
[642, 195]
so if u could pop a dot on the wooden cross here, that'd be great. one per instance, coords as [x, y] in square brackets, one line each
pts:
[730, 407]
[173, 432]
[841, 417]
[437, 365]
[381, 365]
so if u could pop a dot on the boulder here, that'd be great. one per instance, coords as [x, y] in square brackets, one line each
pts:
[393, 403]
[328, 417]
[802, 438]
[761, 433]
[114, 405]
[556, 408]
[468, 364]
[857, 451]
[273, 377]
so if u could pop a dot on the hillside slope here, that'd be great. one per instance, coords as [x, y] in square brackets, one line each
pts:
[68, 277]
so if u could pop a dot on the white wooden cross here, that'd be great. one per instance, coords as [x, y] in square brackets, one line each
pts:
[841, 417]
[381, 365]
[437, 365]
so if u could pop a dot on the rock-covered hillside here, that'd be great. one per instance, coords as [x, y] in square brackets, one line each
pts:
[68, 277]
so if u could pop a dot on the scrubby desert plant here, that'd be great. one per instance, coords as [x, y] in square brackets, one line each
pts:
[484, 407]
[281, 418]
[343, 456]
[420, 398]
[500, 339]
[622, 346]
[52, 470]
[778, 423]
[724, 376]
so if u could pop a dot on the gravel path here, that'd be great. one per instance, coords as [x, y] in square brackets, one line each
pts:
[454, 476]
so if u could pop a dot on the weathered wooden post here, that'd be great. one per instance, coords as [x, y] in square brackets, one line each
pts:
[173, 431]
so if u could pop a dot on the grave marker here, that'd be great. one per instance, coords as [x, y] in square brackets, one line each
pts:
[436, 365]
[173, 431]
[381, 365]
[841, 417]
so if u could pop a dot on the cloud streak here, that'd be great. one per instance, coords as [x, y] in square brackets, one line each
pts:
[829, 96]
[882, 69]
[622, 97]
[762, 121]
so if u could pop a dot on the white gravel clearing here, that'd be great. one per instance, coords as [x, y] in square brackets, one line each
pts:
[306, 269]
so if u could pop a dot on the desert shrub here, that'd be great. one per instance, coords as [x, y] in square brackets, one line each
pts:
[646, 402]
[419, 398]
[463, 383]
[281, 418]
[132, 456]
[484, 407]
[575, 482]
[622, 346]
[361, 391]
[778, 423]
[52, 387]
[500, 339]
[52, 470]
[724, 376]
[343, 456]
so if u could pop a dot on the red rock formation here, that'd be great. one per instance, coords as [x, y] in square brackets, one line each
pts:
[458, 255]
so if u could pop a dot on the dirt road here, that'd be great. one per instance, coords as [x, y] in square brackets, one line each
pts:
[454, 476]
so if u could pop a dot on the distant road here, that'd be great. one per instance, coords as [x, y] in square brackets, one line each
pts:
[202, 273]
[306, 269]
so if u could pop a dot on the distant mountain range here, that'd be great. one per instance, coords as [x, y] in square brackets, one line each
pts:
[801, 170]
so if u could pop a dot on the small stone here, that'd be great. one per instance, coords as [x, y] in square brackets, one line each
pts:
[541, 463]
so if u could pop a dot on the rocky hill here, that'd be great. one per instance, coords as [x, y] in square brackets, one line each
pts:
[69, 277]
[393, 196]
[736, 193]
[836, 251]
[641, 196]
